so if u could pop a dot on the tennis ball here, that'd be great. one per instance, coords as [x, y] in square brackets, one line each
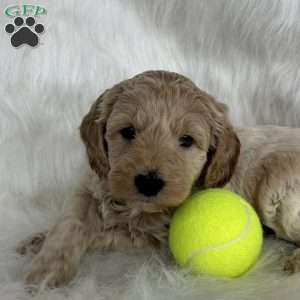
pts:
[216, 232]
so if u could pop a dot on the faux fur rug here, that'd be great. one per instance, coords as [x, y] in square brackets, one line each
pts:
[245, 53]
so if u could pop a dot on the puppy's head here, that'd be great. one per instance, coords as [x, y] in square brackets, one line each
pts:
[156, 136]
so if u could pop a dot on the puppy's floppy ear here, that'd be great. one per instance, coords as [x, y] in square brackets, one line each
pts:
[93, 128]
[92, 132]
[223, 152]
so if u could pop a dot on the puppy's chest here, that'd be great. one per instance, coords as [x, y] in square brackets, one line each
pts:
[120, 226]
[124, 226]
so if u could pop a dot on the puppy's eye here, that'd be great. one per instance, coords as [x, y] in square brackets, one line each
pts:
[128, 133]
[186, 141]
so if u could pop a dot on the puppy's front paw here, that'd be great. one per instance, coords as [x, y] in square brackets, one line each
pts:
[32, 244]
[292, 262]
[53, 271]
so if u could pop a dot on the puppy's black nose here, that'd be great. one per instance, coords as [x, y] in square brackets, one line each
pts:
[150, 184]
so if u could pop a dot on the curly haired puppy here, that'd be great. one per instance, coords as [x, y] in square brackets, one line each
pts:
[150, 141]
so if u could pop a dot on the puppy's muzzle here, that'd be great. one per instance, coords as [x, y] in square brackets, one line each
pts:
[149, 184]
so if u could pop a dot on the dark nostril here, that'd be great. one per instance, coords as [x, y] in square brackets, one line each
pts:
[149, 184]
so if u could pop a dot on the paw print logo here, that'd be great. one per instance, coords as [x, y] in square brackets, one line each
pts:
[24, 33]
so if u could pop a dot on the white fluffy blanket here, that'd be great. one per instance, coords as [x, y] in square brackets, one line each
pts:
[246, 53]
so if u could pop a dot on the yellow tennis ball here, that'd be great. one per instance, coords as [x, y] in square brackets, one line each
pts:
[216, 232]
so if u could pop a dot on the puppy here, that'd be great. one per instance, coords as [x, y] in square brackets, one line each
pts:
[151, 141]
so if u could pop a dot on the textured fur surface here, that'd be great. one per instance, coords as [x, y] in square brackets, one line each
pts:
[137, 127]
[245, 53]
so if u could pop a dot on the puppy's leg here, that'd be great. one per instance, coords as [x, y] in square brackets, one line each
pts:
[65, 244]
[278, 202]
[292, 262]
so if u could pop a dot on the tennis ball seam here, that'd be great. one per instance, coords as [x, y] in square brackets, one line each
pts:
[241, 235]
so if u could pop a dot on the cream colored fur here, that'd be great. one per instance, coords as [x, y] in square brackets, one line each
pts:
[108, 212]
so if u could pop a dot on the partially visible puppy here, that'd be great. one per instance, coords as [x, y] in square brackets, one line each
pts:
[150, 141]
[268, 176]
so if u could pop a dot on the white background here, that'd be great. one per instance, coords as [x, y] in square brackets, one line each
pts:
[245, 53]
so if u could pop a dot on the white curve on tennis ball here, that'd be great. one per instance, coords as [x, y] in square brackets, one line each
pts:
[241, 235]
